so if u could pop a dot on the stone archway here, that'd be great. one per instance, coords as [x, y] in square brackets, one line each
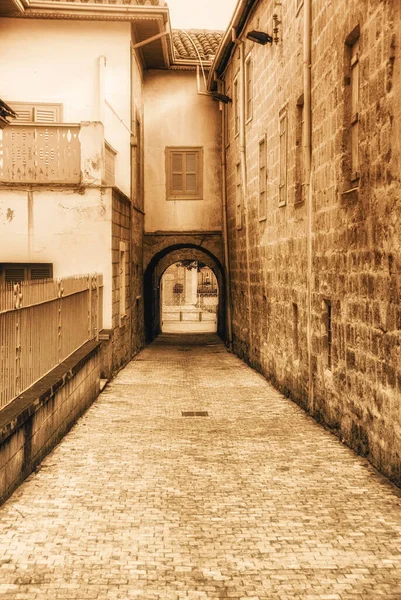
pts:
[152, 278]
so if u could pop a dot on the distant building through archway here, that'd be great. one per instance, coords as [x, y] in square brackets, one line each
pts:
[153, 287]
[189, 298]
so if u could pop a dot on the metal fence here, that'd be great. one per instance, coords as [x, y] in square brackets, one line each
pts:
[41, 324]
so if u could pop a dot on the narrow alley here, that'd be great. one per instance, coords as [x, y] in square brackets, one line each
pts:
[252, 499]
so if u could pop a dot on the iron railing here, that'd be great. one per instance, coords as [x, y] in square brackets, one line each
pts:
[41, 324]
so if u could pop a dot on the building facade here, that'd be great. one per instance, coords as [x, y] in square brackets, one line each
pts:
[312, 146]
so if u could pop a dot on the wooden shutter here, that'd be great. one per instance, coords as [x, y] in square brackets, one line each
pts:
[46, 114]
[191, 173]
[40, 272]
[177, 173]
[36, 113]
[262, 178]
[283, 159]
[24, 112]
[14, 274]
[248, 88]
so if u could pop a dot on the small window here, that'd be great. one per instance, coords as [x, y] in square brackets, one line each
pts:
[227, 120]
[236, 105]
[355, 111]
[36, 113]
[238, 197]
[184, 171]
[351, 163]
[295, 334]
[283, 158]
[299, 152]
[122, 271]
[248, 89]
[11, 273]
[262, 179]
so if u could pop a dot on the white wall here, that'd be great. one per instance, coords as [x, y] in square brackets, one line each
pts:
[66, 228]
[57, 61]
[175, 115]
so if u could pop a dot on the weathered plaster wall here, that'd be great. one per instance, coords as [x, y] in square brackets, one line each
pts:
[175, 115]
[72, 230]
[61, 65]
[355, 237]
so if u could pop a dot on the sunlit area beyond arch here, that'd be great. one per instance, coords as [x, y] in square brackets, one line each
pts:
[189, 298]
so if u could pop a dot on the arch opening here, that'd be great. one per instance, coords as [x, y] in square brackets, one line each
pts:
[153, 286]
[189, 293]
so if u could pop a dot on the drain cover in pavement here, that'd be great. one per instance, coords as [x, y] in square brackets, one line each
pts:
[194, 413]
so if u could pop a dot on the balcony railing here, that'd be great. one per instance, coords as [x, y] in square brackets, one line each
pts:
[125, 2]
[33, 153]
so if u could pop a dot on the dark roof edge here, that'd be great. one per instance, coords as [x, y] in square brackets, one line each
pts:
[238, 22]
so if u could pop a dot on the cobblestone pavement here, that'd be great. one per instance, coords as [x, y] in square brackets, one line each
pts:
[255, 501]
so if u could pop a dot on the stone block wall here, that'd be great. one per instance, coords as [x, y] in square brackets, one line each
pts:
[356, 249]
[36, 421]
[121, 215]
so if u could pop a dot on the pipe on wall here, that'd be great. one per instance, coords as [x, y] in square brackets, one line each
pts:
[308, 181]
[225, 227]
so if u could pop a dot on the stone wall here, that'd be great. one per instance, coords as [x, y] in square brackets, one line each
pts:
[34, 423]
[356, 250]
[121, 215]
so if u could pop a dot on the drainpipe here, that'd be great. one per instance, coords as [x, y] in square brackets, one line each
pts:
[308, 182]
[242, 142]
[225, 227]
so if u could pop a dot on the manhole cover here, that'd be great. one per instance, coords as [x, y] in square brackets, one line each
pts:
[194, 413]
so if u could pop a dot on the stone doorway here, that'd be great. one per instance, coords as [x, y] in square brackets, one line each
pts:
[153, 285]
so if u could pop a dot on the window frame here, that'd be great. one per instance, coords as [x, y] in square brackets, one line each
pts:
[249, 85]
[122, 277]
[198, 150]
[238, 196]
[236, 100]
[262, 215]
[283, 150]
[354, 121]
[28, 269]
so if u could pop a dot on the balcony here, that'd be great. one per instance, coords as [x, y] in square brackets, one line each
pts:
[52, 154]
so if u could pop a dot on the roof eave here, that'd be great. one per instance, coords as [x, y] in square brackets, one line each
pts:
[224, 52]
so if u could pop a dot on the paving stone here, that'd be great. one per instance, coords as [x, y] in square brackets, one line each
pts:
[254, 501]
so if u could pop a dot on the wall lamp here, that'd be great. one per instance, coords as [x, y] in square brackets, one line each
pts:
[221, 97]
[259, 37]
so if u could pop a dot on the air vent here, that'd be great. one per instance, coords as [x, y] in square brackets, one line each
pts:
[41, 272]
[194, 413]
[15, 274]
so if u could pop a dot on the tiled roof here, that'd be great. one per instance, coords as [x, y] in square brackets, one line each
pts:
[206, 43]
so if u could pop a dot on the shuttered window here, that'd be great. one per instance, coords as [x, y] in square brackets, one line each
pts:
[16, 272]
[248, 89]
[355, 111]
[184, 173]
[36, 113]
[283, 158]
[238, 196]
[262, 179]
